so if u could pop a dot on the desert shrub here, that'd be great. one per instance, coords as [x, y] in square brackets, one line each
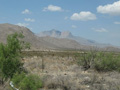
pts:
[101, 61]
[59, 82]
[17, 78]
[86, 59]
[107, 62]
[27, 82]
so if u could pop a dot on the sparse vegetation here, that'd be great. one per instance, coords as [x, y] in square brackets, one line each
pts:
[99, 60]
[62, 73]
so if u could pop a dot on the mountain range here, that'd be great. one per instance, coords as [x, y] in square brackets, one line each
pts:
[68, 35]
[37, 43]
[48, 40]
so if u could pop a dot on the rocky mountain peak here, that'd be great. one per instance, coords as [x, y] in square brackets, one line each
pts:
[55, 33]
[66, 34]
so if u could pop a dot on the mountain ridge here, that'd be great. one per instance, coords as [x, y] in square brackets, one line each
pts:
[44, 43]
[69, 35]
[36, 42]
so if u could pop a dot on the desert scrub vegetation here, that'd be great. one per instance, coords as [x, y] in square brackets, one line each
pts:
[27, 82]
[58, 74]
[49, 53]
[99, 60]
[107, 62]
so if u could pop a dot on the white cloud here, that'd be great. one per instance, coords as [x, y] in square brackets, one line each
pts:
[22, 24]
[116, 22]
[29, 20]
[52, 8]
[74, 26]
[100, 30]
[83, 16]
[112, 9]
[26, 11]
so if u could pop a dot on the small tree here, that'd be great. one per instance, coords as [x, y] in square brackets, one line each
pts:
[10, 56]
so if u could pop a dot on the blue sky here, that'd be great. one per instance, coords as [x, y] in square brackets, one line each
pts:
[97, 20]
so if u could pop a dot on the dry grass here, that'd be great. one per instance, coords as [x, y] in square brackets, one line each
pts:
[62, 73]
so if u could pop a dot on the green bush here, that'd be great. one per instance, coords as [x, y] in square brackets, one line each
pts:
[27, 82]
[86, 59]
[107, 62]
[17, 78]
[101, 61]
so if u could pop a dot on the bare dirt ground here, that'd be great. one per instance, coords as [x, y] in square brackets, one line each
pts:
[62, 73]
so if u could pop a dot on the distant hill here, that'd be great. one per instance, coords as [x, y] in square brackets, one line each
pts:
[64, 43]
[6, 29]
[68, 35]
[37, 42]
